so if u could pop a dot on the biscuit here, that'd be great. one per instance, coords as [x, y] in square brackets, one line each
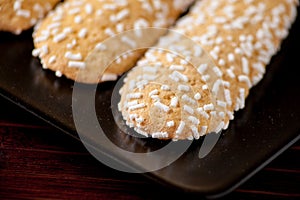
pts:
[65, 38]
[19, 15]
[167, 97]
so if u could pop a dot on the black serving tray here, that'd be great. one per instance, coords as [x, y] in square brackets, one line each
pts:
[268, 125]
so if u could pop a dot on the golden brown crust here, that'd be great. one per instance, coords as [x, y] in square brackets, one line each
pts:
[77, 27]
[19, 15]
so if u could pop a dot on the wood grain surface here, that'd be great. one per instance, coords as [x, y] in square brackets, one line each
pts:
[38, 161]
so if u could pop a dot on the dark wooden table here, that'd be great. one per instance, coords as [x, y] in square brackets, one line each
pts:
[38, 161]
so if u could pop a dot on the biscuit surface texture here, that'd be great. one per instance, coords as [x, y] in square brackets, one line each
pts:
[66, 37]
[167, 97]
[19, 15]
